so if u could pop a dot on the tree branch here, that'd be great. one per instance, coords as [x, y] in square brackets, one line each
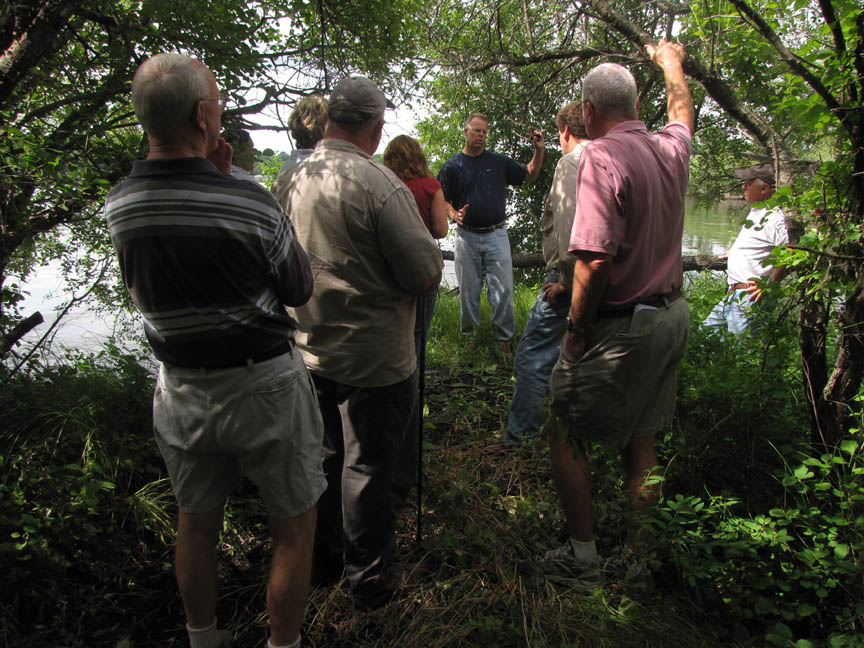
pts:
[42, 111]
[18, 331]
[65, 311]
[834, 24]
[696, 263]
[768, 33]
[824, 253]
[33, 42]
[716, 87]
[584, 54]
[859, 50]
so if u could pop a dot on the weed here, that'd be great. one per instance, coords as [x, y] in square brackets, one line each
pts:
[757, 540]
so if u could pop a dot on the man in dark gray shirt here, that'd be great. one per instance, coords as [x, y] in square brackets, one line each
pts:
[210, 261]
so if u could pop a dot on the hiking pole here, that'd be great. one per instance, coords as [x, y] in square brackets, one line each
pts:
[421, 361]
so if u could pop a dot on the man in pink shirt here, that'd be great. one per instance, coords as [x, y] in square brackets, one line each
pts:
[615, 379]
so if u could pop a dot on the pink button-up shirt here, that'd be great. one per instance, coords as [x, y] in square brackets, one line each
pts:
[630, 204]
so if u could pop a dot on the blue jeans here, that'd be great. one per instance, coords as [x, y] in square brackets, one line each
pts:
[535, 357]
[736, 313]
[472, 252]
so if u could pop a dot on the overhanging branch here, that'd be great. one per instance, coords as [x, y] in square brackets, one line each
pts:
[716, 87]
[768, 33]
[584, 54]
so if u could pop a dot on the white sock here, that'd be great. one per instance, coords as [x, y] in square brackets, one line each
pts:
[204, 637]
[296, 644]
[585, 552]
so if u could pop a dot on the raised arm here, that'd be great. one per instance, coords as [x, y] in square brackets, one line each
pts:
[536, 162]
[670, 58]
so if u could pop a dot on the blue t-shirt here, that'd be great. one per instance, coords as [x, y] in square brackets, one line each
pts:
[482, 183]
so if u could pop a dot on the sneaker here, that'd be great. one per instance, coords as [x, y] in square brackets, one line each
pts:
[370, 601]
[505, 441]
[226, 639]
[562, 568]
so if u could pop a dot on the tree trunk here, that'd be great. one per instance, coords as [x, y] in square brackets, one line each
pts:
[848, 374]
[812, 342]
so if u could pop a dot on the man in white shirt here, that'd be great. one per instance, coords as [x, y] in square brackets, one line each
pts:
[764, 229]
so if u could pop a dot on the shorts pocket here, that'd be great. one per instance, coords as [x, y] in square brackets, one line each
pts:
[277, 383]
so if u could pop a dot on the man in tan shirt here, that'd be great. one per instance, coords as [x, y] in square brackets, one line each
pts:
[371, 256]
[547, 320]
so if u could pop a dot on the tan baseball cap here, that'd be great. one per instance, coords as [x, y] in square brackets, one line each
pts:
[356, 99]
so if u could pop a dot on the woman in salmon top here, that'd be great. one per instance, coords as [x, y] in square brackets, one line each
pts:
[405, 158]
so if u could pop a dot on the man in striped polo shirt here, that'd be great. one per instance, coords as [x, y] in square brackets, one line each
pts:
[211, 261]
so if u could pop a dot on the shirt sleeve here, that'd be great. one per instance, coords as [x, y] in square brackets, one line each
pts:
[411, 252]
[444, 178]
[431, 186]
[777, 225]
[289, 264]
[563, 204]
[680, 133]
[515, 172]
[599, 223]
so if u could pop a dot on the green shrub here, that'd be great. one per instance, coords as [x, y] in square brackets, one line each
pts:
[81, 482]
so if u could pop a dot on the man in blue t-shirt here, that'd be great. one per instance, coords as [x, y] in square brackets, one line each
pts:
[475, 184]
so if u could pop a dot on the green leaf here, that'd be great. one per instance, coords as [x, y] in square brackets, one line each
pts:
[802, 473]
[849, 446]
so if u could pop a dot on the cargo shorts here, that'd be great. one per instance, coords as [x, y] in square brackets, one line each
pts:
[624, 385]
[215, 426]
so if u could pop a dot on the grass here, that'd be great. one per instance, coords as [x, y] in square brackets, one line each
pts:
[97, 571]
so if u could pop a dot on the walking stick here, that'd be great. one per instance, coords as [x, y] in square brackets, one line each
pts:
[421, 361]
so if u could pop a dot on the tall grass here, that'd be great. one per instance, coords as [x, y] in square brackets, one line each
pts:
[756, 542]
[447, 346]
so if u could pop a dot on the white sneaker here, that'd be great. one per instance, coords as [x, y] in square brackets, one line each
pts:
[561, 567]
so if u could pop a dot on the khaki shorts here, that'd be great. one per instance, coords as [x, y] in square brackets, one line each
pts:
[214, 426]
[624, 385]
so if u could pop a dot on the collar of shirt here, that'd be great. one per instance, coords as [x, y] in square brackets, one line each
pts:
[336, 144]
[172, 166]
[632, 125]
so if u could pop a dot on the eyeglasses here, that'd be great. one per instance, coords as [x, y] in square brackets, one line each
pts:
[222, 99]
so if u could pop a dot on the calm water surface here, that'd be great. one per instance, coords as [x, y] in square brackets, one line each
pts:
[711, 230]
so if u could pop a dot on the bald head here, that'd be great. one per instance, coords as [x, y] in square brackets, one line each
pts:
[165, 92]
[611, 90]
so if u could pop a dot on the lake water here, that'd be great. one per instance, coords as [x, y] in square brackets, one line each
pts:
[706, 232]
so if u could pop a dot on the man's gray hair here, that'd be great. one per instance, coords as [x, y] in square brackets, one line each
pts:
[611, 89]
[165, 90]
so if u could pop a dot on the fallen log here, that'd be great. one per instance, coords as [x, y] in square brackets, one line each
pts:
[696, 263]
[20, 330]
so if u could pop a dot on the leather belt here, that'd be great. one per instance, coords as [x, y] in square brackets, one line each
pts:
[656, 301]
[484, 230]
[738, 286]
[269, 354]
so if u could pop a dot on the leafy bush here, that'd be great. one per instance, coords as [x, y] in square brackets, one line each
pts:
[81, 482]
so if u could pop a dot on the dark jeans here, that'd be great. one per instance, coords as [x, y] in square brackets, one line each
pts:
[370, 460]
